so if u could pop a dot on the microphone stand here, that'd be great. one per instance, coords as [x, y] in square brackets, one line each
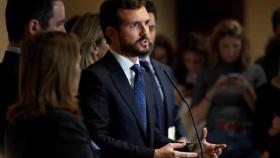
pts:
[189, 108]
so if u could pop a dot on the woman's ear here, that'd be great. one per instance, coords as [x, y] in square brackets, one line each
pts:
[34, 26]
[93, 48]
[94, 51]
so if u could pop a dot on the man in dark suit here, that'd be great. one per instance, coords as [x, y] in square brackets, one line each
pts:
[23, 19]
[117, 110]
[167, 119]
[270, 60]
[107, 96]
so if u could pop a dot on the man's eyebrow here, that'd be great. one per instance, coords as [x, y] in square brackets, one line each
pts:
[61, 21]
[147, 21]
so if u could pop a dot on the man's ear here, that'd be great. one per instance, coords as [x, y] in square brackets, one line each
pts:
[111, 33]
[34, 26]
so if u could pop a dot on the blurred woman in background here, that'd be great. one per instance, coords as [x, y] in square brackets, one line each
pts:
[191, 60]
[225, 95]
[45, 121]
[89, 33]
[163, 51]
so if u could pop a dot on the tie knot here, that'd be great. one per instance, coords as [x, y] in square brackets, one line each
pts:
[136, 68]
[145, 64]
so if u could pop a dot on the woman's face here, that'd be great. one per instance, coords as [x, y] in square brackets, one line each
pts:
[192, 61]
[229, 49]
[99, 50]
[77, 76]
[102, 48]
[161, 55]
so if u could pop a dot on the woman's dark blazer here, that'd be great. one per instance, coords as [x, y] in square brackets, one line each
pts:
[58, 133]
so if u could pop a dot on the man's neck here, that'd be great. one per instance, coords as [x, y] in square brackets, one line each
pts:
[146, 58]
[133, 59]
[14, 47]
[15, 44]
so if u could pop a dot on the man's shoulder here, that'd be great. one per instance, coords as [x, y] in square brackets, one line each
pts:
[10, 62]
[98, 72]
[10, 57]
[100, 65]
[9, 70]
[162, 66]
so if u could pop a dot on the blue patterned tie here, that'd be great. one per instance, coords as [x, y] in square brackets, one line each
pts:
[139, 93]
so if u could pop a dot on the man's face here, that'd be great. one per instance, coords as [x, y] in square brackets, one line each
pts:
[56, 22]
[152, 27]
[133, 34]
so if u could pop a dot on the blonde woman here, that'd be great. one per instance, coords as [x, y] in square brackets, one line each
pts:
[93, 44]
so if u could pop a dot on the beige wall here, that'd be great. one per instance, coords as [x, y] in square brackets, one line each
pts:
[3, 32]
[74, 7]
[167, 19]
[166, 22]
[258, 23]
[257, 20]
[166, 14]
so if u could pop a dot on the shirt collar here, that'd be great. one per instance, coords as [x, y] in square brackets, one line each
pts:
[14, 49]
[125, 63]
[146, 58]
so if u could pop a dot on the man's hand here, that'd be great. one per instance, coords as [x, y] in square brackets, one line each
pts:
[169, 151]
[183, 140]
[211, 150]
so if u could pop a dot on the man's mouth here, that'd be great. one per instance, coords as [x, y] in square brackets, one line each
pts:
[144, 42]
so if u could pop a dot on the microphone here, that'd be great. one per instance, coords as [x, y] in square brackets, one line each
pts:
[189, 108]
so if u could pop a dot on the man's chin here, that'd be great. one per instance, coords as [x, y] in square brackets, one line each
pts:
[143, 52]
[137, 50]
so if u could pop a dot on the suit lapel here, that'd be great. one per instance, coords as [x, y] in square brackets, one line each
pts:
[121, 83]
[150, 103]
[162, 79]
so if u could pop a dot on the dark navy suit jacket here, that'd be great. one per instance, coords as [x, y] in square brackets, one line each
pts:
[8, 88]
[56, 134]
[111, 114]
[171, 109]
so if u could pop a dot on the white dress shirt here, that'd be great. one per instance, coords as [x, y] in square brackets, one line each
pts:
[126, 64]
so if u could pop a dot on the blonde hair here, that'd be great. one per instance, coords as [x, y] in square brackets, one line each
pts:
[88, 31]
[47, 70]
[229, 28]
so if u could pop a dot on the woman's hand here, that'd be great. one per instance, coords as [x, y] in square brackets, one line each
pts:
[275, 126]
[246, 89]
[218, 86]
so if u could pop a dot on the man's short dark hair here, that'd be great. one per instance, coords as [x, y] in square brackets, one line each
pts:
[71, 22]
[20, 12]
[276, 18]
[151, 8]
[109, 10]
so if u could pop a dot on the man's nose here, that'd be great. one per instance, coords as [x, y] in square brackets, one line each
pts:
[144, 30]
